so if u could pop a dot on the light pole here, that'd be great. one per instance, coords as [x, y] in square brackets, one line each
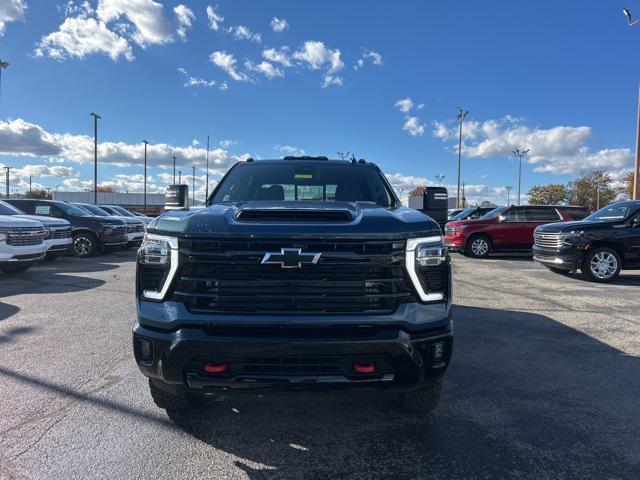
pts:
[193, 186]
[636, 174]
[462, 114]
[179, 177]
[96, 117]
[598, 175]
[29, 183]
[3, 65]
[206, 187]
[508, 189]
[174, 169]
[520, 154]
[7, 179]
[145, 174]
[440, 178]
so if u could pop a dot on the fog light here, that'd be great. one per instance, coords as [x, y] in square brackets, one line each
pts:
[146, 350]
[437, 352]
[216, 367]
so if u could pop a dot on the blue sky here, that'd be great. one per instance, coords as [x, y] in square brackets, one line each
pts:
[546, 75]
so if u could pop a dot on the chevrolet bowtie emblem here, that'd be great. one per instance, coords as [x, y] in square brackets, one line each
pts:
[290, 258]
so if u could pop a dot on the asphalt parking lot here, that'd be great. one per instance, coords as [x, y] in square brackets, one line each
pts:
[544, 384]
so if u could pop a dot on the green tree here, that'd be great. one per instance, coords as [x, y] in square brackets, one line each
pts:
[552, 194]
[38, 194]
[592, 190]
[627, 186]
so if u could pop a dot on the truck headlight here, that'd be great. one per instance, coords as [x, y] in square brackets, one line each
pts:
[427, 263]
[157, 265]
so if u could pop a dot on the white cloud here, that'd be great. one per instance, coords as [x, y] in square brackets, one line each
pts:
[228, 143]
[374, 58]
[227, 62]
[240, 32]
[191, 81]
[289, 150]
[11, 11]
[43, 171]
[413, 126]
[558, 150]
[184, 17]
[145, 15]
[265, 68]
[279, 24]
[214, 19]
[278, 56]
[21, 138]
[404, 105]
[81, 36]
[316, 56]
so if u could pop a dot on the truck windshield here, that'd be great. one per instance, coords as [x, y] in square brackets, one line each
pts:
[612, 213]
[97, 211]
[462, 215]
[6, 209]
[296, 182]
[72, 210]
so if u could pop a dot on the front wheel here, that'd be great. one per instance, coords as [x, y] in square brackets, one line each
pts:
[478, 246]
[15, 268]
[84, 244]
[601, 264]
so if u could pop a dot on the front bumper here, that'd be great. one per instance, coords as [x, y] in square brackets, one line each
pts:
[58, 246]
[405, 354]
[12, 255]
[455, 244]
[113, 240]
[135, 239]
[176, 359]
[566, 258]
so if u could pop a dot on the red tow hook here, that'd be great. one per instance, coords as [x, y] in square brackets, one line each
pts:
[364, 367]
[215, 367]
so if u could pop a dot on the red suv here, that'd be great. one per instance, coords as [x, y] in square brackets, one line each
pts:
[505, 228]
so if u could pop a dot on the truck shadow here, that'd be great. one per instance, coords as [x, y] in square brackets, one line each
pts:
[7, 310]
[525, 396]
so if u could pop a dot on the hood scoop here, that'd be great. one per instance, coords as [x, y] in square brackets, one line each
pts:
[293, 215]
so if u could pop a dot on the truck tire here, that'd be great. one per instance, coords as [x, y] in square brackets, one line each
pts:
[478, 246]
[171, 401]
[85, 244]
[601, 264]
[421, 401]
[16, 268]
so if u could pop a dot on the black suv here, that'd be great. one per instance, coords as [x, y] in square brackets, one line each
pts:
[600, 245]
[90, 234]
[300, 274]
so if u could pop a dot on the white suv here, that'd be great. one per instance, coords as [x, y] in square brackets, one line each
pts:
[21, 243]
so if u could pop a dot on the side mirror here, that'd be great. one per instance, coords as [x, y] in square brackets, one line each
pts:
[635, 223]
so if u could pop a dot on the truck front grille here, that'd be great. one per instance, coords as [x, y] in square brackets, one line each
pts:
[57, 233]
[24, 236]
[547, 240]
[355, 276]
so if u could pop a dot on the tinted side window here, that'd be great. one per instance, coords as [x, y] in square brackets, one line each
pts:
[26, 207]
[543, 215]
[515, 215]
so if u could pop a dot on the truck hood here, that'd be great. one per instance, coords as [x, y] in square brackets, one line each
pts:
[11, 221]
[286, 219]
[570, 226]
[46, 221]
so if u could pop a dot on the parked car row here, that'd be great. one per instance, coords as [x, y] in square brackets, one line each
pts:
[562, 238]
[33, 230]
